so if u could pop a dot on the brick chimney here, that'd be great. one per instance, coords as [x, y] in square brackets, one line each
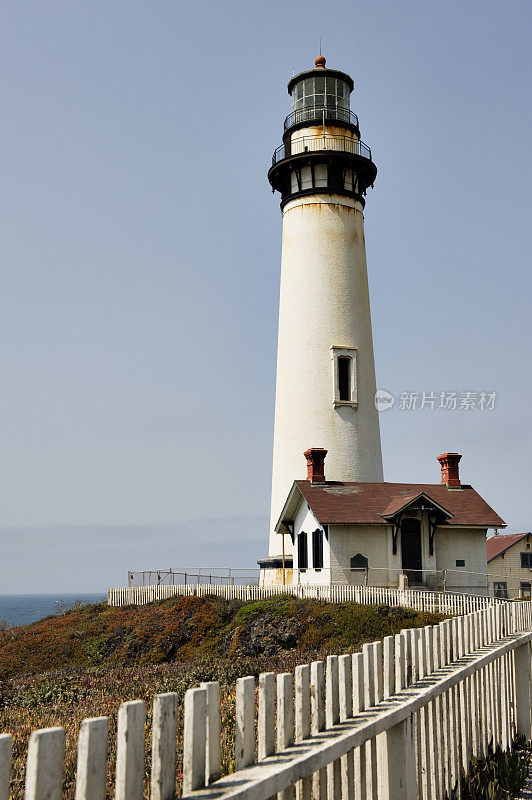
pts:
[450, 474]
[315, 464]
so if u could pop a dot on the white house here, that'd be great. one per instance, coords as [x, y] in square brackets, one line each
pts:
[353, 532]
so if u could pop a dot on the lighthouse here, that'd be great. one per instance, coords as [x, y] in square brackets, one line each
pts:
[325, 386]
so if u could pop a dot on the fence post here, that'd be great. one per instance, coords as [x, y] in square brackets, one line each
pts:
[396, 776]
[194, 740]
[522, 691]
[164, 738]
[6, 747]
[92, 759]
[44, 772]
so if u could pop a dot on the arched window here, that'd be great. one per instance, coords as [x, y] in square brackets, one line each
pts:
[344, 372]
[359, 562]
[344, 378]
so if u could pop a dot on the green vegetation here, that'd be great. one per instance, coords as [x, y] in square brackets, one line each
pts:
[499, 776]
[87, 661]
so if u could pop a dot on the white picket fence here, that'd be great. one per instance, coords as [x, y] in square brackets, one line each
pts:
[442, 602]
[398, 721]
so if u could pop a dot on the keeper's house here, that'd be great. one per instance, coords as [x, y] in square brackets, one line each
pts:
[432, 535]
[510, 565]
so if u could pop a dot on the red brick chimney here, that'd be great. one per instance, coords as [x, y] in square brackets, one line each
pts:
[450, 474]
[315, 464]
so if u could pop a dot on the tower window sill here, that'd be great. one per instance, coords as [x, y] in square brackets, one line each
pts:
[348, 403]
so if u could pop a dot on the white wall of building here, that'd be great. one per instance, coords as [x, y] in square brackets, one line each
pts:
[375, 542]
[469, 545]
[306, 522]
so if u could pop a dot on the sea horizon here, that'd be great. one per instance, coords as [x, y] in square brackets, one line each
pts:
[23, 609]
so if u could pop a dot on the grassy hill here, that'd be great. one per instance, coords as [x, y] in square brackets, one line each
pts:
[86, 662]
[191, 628]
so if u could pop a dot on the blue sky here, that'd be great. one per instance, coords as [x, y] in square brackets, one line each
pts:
[141, 255]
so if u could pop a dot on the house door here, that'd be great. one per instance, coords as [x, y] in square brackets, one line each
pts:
[411, 549]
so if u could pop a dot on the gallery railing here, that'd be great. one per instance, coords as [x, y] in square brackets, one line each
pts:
[306, 144]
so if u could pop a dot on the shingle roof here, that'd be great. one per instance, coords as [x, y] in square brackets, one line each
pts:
[368, 503]
[497, 545]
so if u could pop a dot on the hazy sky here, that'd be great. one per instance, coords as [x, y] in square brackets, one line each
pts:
[141, 255]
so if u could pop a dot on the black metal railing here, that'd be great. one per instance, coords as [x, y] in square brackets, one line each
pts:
[310, 144]
[316, 113]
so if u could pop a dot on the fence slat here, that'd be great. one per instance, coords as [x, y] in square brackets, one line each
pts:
[245, 722]
[266, 736]
[302, 732]
[317, 714]
[91, 775]
[6, 749]
[44, 771]
[332, 718]
[164, 741]
[130, 751]
[285, 720]
[347, 764]
[212, 739]
[370, 699]
[194, 740]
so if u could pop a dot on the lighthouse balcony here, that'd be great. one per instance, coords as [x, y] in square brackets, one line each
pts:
[318, 113]
[312, 144]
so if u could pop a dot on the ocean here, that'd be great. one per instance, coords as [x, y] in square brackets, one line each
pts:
[21, 609]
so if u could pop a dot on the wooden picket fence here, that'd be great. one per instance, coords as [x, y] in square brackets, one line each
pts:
[420, 600]
[398, 721]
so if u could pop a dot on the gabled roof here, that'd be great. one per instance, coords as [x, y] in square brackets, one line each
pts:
[375, 503]
[497, 545]
[399, 504]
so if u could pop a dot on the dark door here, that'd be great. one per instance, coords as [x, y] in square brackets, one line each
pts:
[411, 549]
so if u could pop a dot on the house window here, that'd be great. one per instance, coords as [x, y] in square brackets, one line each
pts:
[344, 376]
[526, 560]
[317, 549]
[344, 383]
[460, 562]
[500, 589]
[526, 589]
[359, 562]
[302, 553]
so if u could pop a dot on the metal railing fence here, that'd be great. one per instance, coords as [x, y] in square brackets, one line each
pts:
[318, 114]
[308, 144]
[193, 576]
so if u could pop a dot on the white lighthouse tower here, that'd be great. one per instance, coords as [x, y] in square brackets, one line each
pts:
[325, 392]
